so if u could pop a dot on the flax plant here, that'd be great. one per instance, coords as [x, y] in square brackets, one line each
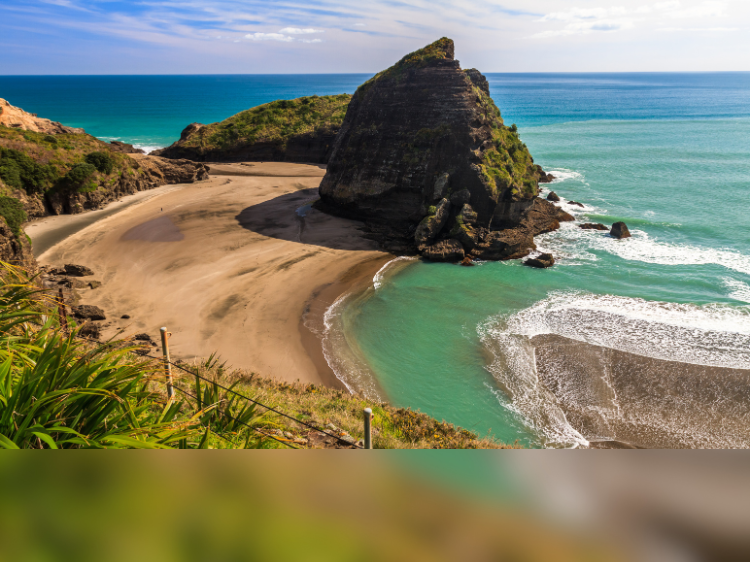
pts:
[58, 391]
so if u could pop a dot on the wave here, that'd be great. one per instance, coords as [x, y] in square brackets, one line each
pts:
[576, 243]
[739, 291]
[564, 174]
[601, 358]
[379, 278]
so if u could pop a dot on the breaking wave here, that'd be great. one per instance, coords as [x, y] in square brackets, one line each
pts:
[601, 359]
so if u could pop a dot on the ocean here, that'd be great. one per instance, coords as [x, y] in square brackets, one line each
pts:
[636, 342]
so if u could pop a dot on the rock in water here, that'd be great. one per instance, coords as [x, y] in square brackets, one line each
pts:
[620, 230]
[541, 262]
[445, 250]
[593, 226]
[552, 196]
[420, 133]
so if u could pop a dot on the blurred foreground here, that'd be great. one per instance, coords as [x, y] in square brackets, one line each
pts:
[519, 506]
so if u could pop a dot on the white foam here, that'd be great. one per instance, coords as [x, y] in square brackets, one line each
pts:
[563, 174]
[716, 335]
[341, 354]
[713, 334]
[576, 243]
[147, 148]
[379, 278]
[739, 291]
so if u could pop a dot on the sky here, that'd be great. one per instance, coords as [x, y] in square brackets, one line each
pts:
[346, 36]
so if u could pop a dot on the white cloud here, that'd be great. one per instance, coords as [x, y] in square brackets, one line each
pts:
[359, 25]
[694, 29]
[580, 21]
[300, 31]
[269, 37]
[311, 40]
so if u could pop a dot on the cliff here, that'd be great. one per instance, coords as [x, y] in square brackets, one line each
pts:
[301, 130]
[424, 158]
[70, 173]
[17, 118]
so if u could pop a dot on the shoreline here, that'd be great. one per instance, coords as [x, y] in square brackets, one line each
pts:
[229, 265]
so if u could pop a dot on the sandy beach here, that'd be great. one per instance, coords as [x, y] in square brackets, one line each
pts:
[239, 265]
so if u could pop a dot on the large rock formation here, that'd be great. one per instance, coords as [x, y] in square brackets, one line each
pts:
[15, 248]
[17, 118]
[423, 157]
[301, 130]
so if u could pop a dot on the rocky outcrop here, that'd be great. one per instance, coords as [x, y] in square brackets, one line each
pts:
[301, 130]
[77, 270]
[423, 157]
[544, 177]
[619, 230]
[445, 250]
[17, 118]
[593, 226]
[15, 250]
[552, 196]
[125, 148]
[147, 172]
[542, 261]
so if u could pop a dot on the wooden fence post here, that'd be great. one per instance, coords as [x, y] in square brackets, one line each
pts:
[167, 365]
[62, 312]
[368, 428]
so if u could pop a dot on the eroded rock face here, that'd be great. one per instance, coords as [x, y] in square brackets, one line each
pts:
[445, 250]
[17, 118]
[149, 172]
[15, 250]
[125, 148]
[419, 134]
[431, 225]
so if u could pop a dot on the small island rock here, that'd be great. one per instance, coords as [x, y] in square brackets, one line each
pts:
[552, 196]
[593, 226]
[541, 262]
[619, 230]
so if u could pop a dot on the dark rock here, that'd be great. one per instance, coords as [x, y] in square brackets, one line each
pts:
[544, 177]
[14, 249]
[77, 270]
[95, 284]
[445, 251]
[467, 261]
[142, 337]
[461, 198]
[125, 316]
[88, 312]
[90, 330]
[75, 284]
[467, 215]
[593, 226]
[508, 244]
[431, 225]
[441, 187]
[552, 196]
[576, 203]
[125, 148]
[542, 261]
[619, 230]
[408, 127]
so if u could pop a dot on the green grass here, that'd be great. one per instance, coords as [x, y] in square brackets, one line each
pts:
[59, 391]
[277, 121]
[12, 211]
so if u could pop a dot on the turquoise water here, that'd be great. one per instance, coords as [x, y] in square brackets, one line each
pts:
[453, 341]
[669, 154]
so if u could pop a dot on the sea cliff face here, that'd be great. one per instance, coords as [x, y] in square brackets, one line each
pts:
[300, 130]
[424, 158]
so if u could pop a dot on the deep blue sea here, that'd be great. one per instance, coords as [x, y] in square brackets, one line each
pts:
[669, 154]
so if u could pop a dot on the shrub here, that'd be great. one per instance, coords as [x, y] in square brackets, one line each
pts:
[12, 211]
[101, 161]
[50, 139]
[78, 174]
[21, 171]
[514, 128]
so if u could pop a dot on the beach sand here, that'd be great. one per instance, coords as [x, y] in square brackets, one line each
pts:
[239, 265]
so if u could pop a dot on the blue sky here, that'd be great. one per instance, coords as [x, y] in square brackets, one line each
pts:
[314, 36]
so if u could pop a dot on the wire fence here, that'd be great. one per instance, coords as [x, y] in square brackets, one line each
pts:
[239, 395]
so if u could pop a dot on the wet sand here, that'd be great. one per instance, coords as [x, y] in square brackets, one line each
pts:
[239, 265]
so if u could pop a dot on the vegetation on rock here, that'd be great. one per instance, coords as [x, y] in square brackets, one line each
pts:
[264, 132]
